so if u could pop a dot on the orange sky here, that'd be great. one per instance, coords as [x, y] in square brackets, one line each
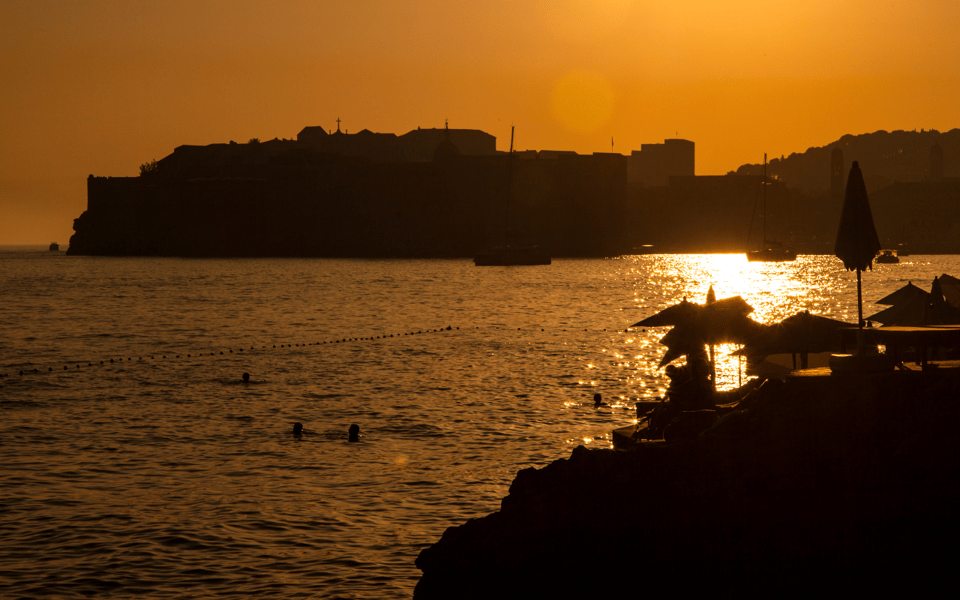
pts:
[102, 86]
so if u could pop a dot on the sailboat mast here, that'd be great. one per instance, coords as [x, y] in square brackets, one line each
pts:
[506, 224]
[764, 183]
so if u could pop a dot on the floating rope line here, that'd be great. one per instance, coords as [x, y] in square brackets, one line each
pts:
[264, 347]
[78, 366]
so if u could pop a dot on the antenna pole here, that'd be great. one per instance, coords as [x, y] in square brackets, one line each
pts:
[764, 201]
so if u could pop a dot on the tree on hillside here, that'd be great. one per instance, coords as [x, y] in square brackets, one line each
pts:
[148, 168]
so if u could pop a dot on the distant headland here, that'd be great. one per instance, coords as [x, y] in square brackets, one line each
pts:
[446, 192]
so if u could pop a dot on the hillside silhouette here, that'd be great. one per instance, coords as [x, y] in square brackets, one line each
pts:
[885, 158]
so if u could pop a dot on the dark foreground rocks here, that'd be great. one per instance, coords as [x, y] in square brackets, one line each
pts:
[826, 486]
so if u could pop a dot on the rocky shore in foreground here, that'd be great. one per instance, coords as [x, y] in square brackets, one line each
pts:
[823, 484]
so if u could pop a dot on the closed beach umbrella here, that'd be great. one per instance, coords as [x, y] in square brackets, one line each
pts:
[950, 286]
[941, 312]
[857, 241]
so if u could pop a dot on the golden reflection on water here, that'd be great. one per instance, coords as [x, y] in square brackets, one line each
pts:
[775, 291]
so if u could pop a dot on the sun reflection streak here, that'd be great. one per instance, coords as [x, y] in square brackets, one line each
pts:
[775, 291]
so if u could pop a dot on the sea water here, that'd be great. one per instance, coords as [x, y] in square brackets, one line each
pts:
[133, 460]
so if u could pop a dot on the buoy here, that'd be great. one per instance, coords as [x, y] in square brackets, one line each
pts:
[111, 361]
[51, 368]
[65, 367]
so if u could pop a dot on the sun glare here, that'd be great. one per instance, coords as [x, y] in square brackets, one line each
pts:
[774, 290]
[583, 101]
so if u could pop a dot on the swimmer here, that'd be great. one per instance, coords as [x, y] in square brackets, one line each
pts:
[598, 401]
[297, 427]
[246, 379]
[354, 432]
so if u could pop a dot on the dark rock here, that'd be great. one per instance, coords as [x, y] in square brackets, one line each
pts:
[829, 486]
[689, 424]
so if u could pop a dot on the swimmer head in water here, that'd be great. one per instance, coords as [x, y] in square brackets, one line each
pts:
[354, 432]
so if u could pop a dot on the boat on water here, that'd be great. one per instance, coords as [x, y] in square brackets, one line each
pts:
[769, 251]
[770, 254]
[888, 257]
[509, 255]
[54, 247]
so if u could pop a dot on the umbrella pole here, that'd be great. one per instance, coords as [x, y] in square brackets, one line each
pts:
[859, 302]
[859, 314]
[740, 369]
[713, 369]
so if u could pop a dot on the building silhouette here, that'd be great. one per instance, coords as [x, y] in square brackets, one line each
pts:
[654, 164]
[448, 193]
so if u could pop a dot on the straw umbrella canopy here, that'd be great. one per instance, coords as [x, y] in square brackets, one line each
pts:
[802, 333]
[904, 294]
[697, 325]
[678, 314]
[908, 312]
[913, 307]
[908, 307]
[857, 241]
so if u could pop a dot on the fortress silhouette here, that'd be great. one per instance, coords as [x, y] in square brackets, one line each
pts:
[448, 192]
